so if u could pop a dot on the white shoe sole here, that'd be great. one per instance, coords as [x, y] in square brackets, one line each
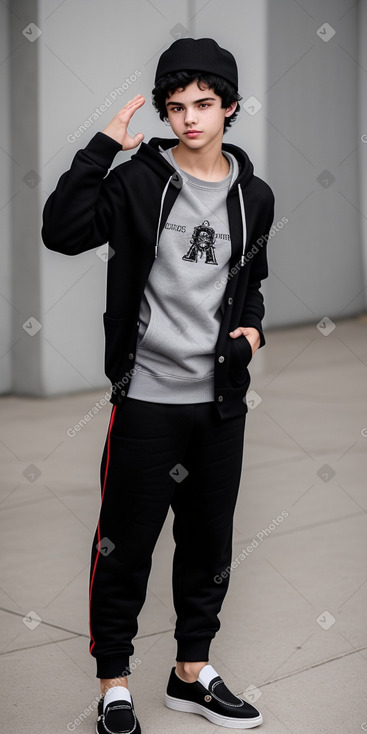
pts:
[195, 708]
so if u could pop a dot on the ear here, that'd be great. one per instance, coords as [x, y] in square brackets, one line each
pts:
[230, 110]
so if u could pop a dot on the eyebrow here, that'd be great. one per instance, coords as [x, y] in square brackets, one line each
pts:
[180, 104]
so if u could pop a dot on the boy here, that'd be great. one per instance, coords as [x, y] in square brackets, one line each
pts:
[182, 322]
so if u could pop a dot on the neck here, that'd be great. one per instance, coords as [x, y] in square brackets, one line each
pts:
[207, 163]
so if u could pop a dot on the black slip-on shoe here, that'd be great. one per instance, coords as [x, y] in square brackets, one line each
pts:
[210, 697]
[118, 718]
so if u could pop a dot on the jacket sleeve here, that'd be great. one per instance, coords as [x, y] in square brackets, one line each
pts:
[77, 215]
[253, 310]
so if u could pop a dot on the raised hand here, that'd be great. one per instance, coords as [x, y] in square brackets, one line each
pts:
[117, 128]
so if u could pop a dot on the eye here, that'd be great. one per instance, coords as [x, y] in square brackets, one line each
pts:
[204, 104]
[174, 109]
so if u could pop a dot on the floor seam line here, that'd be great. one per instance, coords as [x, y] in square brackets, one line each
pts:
[315, 665]
[41, 644]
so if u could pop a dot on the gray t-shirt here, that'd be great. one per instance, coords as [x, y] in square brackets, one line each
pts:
[180, 312]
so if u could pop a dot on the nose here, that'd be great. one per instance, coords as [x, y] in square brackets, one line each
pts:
[190, 116]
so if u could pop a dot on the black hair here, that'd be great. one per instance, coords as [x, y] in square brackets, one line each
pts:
[168, 84]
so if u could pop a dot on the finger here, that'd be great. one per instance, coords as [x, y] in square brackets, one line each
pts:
[127, 112]
[135, 102]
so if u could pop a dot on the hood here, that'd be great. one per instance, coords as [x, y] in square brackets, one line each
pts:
[149, 154]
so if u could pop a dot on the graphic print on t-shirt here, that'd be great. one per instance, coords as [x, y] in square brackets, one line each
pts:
[202, 242]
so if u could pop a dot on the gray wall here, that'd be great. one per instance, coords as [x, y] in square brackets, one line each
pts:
[313, 131]
[362, 129]
[309, 122]
[6, 307]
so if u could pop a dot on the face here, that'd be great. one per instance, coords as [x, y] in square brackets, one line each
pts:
[196, 116]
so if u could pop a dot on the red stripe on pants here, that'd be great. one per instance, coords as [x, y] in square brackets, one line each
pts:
[98, 526]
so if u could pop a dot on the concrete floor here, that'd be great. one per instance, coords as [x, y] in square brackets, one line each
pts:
[293, 622]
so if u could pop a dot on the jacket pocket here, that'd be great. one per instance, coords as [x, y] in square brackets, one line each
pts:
[146, 339]
[117, 331]
[240, 355]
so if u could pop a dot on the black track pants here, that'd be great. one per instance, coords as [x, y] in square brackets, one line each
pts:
[159, 455]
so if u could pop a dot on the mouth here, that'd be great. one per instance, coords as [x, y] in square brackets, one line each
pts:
[192, 133]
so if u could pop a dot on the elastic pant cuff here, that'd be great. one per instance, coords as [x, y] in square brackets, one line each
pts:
[113, 666]
[193, 651]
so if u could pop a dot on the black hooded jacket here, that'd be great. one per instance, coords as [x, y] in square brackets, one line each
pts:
[127, 206]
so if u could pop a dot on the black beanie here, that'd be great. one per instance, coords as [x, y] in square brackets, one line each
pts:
[201, 54]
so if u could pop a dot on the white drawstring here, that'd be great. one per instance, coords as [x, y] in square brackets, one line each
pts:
[244, 230]
[160, 213]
